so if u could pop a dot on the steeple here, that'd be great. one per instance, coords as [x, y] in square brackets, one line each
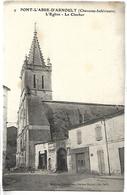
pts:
[35, 56]
[35, 73]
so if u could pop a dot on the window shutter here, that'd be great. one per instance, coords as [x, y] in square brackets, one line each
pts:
[98, 131]
[101, 163]
[79, 137]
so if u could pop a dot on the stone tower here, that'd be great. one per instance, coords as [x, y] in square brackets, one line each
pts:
[35, 74]
[33, 126]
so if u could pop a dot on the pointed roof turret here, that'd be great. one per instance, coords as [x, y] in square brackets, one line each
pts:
[35, 55]
[26, 60]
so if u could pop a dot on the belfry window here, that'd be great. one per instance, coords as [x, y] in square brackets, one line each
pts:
[42, 82]
[34, 81]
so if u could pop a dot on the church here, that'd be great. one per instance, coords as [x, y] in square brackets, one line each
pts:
[46, 127]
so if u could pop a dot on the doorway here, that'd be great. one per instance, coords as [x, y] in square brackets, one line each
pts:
[101, 163]
[83, 161]
[121, 157]
[42, 160]
[62, 160]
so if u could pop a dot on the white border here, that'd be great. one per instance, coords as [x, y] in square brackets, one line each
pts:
[1, 83]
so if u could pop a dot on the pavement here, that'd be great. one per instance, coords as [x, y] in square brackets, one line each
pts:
[43, 181]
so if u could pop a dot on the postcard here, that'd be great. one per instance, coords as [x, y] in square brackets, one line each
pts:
[63, 126]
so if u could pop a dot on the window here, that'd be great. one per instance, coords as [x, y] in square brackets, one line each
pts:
[79, 137]
[34, 81]
[42, 82]
[82, 162]
[98, 132]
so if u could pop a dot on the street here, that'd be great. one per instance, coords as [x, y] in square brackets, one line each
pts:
[61, 182]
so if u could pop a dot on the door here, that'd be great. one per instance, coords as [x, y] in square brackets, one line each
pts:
[80, 162]
[83, 161]
[121, 157]
[62, 160]
[101, 164]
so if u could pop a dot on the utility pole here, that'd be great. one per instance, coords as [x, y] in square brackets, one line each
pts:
[106, 141]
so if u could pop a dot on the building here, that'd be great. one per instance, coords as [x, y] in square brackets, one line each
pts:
[5, 107]
[52, 156]
[98, 146]
[43, 124]
[11, 147]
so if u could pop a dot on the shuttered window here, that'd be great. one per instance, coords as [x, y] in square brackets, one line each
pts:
[98, 131]
[79, 137]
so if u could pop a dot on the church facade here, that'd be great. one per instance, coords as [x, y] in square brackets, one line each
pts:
[44, 125]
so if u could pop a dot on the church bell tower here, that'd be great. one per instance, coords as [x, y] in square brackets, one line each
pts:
[33, 125]
[36, 74]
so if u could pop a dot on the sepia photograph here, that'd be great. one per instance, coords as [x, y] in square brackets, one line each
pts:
[63, 96]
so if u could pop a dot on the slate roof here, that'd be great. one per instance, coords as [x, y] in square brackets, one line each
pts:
[62, 116]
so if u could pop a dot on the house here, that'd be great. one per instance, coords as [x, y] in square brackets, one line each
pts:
[5, 107]
[97, 146]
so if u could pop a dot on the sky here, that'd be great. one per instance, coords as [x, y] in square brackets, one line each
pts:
[86, 52]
